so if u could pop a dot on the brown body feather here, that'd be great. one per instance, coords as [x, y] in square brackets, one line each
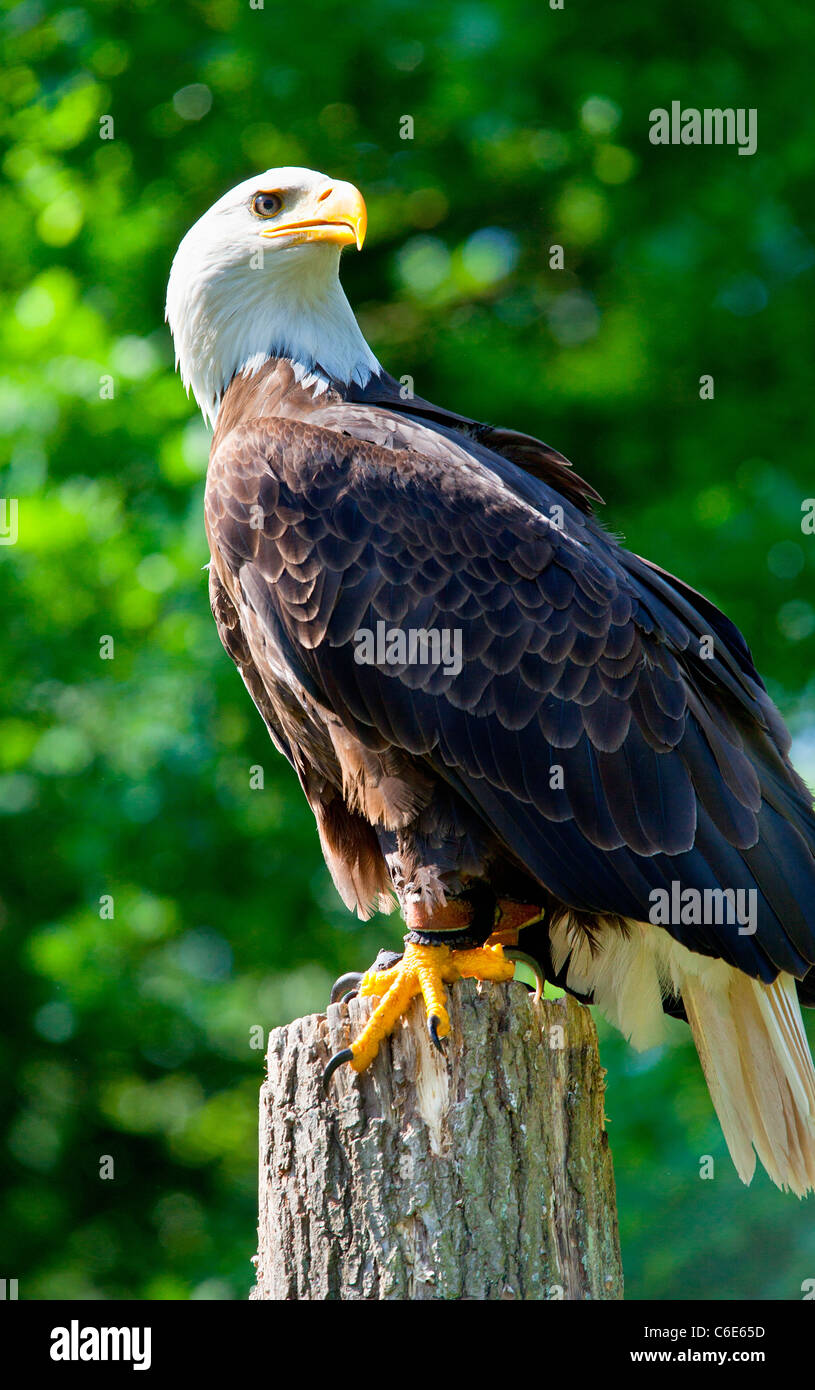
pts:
[588, 752]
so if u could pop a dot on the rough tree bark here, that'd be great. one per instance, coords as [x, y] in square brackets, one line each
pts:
[483, 1176]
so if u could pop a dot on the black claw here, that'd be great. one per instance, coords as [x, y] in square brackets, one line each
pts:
[336, 1061]
[340, 990]
[340, 987]
[512, 954]
[433, 1030]
[386, 960]
[352, 994]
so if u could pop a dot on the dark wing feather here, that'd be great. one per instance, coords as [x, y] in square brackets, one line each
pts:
[577, 656]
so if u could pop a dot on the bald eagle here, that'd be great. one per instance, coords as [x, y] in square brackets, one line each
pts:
[522, 732]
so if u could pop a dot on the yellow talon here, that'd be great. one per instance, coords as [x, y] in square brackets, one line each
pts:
[377, 982]
[485, 963]
[422, 970]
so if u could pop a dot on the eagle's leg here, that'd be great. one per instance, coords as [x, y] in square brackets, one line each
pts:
[426, 967]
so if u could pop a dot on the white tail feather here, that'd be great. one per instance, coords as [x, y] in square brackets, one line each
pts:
[756, 1060]
[750, 1037]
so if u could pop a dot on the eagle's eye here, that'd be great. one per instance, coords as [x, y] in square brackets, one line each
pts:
[267, 204]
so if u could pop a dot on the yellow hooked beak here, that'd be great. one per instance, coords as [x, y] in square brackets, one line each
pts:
[339, 215]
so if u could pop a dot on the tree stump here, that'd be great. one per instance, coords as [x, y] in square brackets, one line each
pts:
[482, 1175]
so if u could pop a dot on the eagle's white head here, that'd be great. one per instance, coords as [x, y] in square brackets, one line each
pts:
[258, 277]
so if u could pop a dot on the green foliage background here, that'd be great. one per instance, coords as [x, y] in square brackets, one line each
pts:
[130, 777]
